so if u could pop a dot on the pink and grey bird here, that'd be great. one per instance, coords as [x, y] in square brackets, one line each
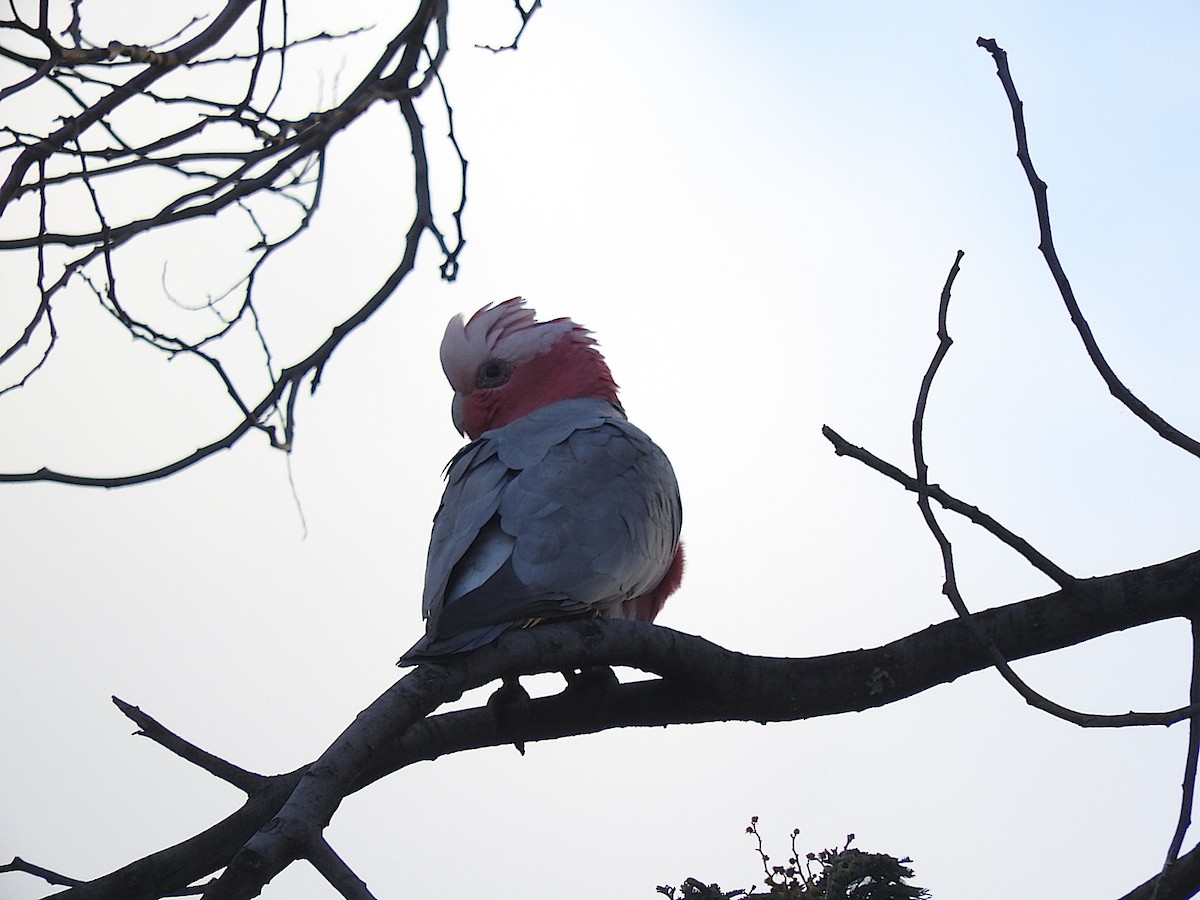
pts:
[559, 507]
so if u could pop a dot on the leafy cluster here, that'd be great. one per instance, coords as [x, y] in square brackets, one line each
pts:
[845, 874]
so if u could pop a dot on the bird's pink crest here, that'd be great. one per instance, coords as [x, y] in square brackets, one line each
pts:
[504, 364]
[509, 330]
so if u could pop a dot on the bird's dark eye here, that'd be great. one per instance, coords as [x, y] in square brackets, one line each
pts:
[493, 373]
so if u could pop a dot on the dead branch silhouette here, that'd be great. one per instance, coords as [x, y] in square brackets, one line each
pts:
[260, 159]
[283, 159]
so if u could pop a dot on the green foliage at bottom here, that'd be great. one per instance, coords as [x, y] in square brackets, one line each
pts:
[845, 874]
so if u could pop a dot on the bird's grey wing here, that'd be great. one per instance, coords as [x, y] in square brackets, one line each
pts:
[547, 521]
[597, 520]
[475, 480]
[465, 547]
[593, 522]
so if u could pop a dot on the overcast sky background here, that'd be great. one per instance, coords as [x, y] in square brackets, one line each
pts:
[754, 207]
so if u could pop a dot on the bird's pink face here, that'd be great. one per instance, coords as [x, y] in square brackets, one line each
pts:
[503, 364]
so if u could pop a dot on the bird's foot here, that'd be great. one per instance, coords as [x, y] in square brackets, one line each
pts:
[598, 679]
[510, 708]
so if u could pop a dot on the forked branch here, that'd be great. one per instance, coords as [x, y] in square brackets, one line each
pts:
[237, 161]
[284, 815]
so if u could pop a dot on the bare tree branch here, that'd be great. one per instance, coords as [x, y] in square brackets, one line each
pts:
[1182, 882]
[842, 447]
[284, 161]
[337, 873]
[278, 161]
[1161, 426]
[526, 15]
[1188, 790]
[698, 682]
[920, 485]
[213, 765]
[47, 875]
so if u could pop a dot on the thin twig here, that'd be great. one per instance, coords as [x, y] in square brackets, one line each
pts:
[1160, 425]
[98, 111]
[47, 875]
[950, 587]
[149, 727]
[334, 870]
[449, 266]
[526, 15]
[284, 160]
[842, 447]
[1188, 789]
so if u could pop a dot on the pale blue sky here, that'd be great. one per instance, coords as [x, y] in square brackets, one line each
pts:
[755, 210]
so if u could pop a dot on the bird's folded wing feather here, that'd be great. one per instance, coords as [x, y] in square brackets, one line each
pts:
[568, 510]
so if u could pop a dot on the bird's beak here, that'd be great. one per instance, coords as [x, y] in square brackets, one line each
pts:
[456, 412]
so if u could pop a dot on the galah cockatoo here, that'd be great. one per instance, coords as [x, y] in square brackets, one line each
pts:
[559, 507]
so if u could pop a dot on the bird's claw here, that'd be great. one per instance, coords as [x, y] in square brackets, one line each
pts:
[510, 708]
[590, 678]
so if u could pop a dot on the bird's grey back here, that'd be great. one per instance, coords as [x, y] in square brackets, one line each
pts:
[569, 510]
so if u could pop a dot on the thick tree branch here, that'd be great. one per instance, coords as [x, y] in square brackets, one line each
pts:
[1181, 882]
[700, 682]
[172, 870]
[284, 816]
